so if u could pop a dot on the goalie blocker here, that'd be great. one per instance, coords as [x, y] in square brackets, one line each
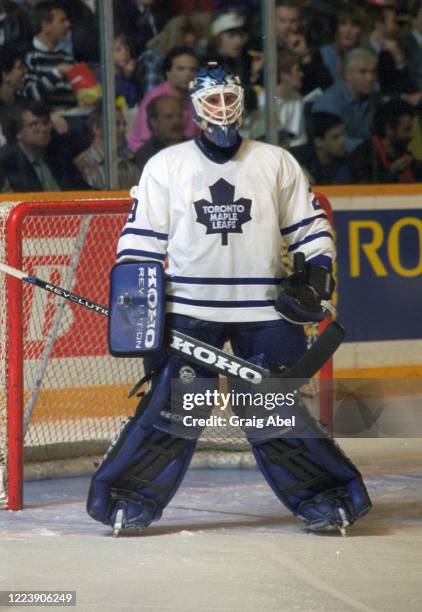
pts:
[137, 308]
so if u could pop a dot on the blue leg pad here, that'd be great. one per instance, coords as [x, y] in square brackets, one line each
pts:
[144, 467]
[311, 475]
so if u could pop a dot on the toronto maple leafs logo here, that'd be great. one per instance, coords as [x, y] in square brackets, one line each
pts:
[223, 215]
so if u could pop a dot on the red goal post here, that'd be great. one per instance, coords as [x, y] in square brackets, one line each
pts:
[63, 398]
[47, 239]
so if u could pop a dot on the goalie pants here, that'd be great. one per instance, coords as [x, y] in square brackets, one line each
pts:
[145, 466]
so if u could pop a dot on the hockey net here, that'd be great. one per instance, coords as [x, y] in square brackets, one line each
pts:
[63, 398]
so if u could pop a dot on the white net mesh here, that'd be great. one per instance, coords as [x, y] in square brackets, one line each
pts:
[74, 391]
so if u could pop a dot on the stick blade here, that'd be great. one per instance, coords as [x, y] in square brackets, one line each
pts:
[319, 353]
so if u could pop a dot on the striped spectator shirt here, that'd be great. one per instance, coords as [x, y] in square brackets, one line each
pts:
[43, 81]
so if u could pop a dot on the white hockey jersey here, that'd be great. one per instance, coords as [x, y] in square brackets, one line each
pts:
[221, 228]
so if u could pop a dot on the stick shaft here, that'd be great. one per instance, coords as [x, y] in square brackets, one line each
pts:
[189, 348]
[67, 295]
[208, 356]
[12, 271]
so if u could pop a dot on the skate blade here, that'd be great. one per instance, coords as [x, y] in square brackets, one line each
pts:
[328, 529]
[343, 517]
[138, 530]
[118, 523]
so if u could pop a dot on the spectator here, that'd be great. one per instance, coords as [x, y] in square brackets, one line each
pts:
[290, 106]
[412, 44]
[15, 27]
[140, 20]
[128, 71]
[324, 159]
[84, 32]
[348, 35]
[289, 101]
[383, 25]
[393, 74]
[228, 45]
[393, 162]
[178, 31]
[315, 73]
[36, 158]
[12, 72]
[256, 64]
[165, 121]
[180, 67]
[91, 161]
[320, 19]
[48, 66]
[353, 99]
[288, 19]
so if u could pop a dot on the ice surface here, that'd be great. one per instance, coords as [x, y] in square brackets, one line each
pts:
[225, 543]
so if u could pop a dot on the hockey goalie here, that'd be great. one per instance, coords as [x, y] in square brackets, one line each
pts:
[217, 210]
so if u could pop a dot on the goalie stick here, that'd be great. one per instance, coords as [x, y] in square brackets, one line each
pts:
[203, 354]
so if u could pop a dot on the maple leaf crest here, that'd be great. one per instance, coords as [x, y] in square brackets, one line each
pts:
[223, 215]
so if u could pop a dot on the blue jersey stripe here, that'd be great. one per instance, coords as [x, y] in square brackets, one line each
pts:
[310, 238]
[144, 232]
[292, 228]
[137, 253]
[322, 260]
[194, 280]
[221, 303]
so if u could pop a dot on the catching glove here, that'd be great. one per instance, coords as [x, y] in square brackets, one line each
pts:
[302, 292]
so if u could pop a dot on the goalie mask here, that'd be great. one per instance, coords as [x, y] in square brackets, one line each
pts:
[216, 98]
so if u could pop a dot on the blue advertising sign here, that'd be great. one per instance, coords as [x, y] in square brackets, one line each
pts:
[379, 273]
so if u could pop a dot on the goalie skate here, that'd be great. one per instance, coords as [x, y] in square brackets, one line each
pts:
[120, 523]
[333, 527]
[339, 522]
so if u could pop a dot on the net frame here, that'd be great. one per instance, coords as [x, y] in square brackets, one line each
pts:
[5, 209]
[16, 214]
[14, 310]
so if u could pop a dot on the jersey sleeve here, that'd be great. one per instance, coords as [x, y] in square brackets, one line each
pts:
[145, 234]
[303, 223]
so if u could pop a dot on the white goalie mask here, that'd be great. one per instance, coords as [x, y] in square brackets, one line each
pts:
[217, 101]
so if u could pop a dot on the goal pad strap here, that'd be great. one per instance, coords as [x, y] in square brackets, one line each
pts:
[310, 474]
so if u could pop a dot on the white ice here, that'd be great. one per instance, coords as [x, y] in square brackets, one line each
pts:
[225, 543]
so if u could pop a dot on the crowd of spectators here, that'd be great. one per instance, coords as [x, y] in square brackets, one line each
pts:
[349, 95]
